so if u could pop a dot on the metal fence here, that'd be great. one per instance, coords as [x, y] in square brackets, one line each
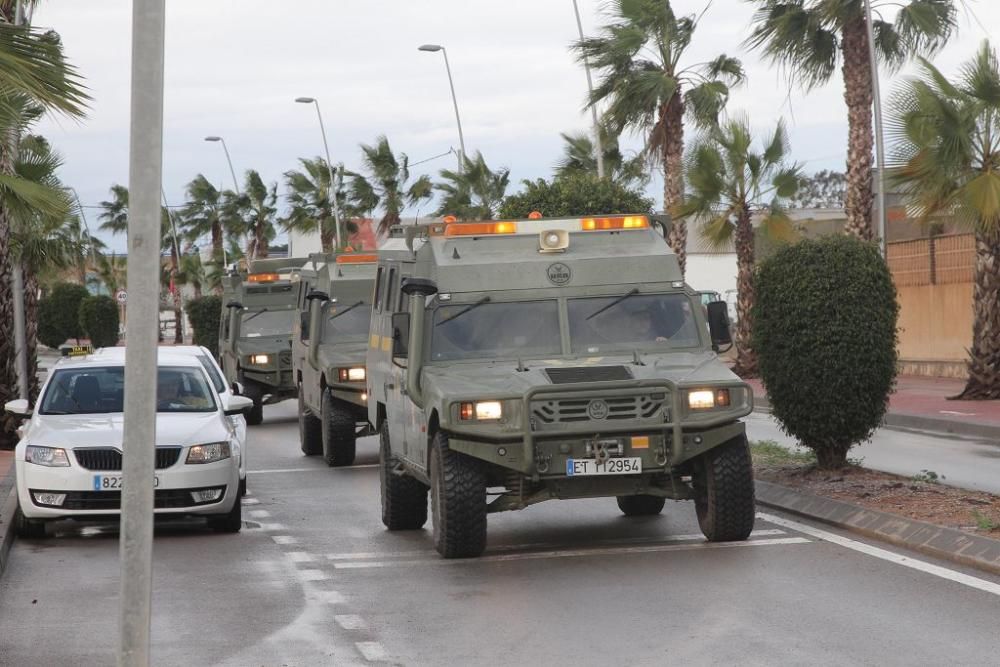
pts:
[938, 260]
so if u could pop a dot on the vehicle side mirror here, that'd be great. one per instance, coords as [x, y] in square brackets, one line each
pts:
[19, 408]
[718, 324]
[400, 335]
[237, 388]
[237, 405]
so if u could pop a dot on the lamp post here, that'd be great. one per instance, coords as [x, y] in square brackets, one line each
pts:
[879, 134]
[334, 182]
[86, 225]
[593, 109]
[432, 48]
[236, 184]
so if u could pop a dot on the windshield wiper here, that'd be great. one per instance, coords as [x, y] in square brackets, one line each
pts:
[457, 315]
[259, 312]
[612, 304]
[352, 307]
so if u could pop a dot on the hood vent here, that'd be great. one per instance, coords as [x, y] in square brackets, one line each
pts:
[588, 374]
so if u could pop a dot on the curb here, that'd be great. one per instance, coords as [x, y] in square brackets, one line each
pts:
[7, 526]
[948, 544]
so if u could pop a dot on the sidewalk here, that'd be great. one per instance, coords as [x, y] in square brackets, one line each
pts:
[922, 403]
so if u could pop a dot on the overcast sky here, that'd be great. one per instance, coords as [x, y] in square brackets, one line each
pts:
[234, 68]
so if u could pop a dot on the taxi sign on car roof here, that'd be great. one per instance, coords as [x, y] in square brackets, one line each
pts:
[76, 350]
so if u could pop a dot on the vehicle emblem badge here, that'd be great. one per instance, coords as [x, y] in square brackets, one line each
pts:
[558, 273]
[597, 409]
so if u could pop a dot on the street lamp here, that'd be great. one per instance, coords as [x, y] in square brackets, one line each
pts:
[593, 108]
[879, 135]
[334, 183]
[432, 48]
[229, 160]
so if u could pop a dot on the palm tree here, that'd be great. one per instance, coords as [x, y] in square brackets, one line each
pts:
[193, 273]
[946, 148]
[729, 184]
[202, 214]
[475, 193]
[309, 199]
[648, 90]
[258, 208]
[386, 184]
[112, 271]
[808, 38]
[580, 157]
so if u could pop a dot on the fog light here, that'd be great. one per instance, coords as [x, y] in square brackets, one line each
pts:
[206, 495]
[502, 451]
[53, 499]
[364, 397]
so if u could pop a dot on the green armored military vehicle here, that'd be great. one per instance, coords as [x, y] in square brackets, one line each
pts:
[328, 353]
[255, 331]
[518, 361]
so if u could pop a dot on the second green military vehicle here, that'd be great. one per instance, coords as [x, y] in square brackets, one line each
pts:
[255, 331]
[328, 353]
[517, 361]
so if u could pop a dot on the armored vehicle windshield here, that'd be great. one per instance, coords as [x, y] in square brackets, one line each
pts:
[266, 322]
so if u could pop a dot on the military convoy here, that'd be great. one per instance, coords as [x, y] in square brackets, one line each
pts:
[255, 331]
[328, 353]
[518, 361]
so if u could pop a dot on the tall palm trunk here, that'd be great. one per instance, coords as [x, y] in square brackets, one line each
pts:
[326, 234]
[984, 356]
[746, 357]
[31, 330]
[260, 241]
[8, 364]
[858, 96]
[217, 241]
[175, 293]
[673, 175]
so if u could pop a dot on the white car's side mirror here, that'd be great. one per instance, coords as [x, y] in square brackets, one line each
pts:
[237, 405]
[19, 408]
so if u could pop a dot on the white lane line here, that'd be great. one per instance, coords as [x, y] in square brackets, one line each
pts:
[329, 597]
[250, 501]
[273, 526]
[313, 575]
[350, 621]
[277, 470]
[260, 514]
[299, 556]
[284, 540]
[571, 553]
[372, 651]
[364, 555]
[905, 561]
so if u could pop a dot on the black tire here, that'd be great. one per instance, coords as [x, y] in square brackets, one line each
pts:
[230, 522]
[641, 505]
[255, 415]
[458, 502]
[310, 429]
[724, 492]
[243, 487]
[404, 498]
[339, 439]
[30, 529]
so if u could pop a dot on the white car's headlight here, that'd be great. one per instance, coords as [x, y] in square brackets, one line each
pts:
[260, 359]
[351, 374]
[481, 410]
[209, 453]
[52, 457]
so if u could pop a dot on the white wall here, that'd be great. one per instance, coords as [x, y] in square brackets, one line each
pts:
[301, 245]
[714, 273]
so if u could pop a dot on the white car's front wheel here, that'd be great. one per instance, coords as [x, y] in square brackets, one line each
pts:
[31, 529]
[230, 522]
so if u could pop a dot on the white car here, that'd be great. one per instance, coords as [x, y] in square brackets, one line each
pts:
[211, 366]
[68, 462]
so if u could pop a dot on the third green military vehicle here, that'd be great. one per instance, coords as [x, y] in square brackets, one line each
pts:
[517, 361]
[255, 332]
[328, 353]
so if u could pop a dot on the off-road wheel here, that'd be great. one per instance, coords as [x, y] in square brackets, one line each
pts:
[641, 505]
[230, 522]
[458, 502]
[255, 415]
[310, 429]
[404, 498]
[26, 528]
[339, 436]
[724, 496]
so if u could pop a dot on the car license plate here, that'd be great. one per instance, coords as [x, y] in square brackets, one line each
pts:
[613, 466]
[114, 482]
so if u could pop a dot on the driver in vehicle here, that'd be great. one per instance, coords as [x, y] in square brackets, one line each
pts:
[640, 324]
[169, 392]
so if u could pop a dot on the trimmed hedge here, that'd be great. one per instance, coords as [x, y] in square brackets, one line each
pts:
[825, 330]
[204, 315]
[579, 194]
[59, 314]
[99, 320]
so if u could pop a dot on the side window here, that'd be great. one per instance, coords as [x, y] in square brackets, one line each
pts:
[404, 301]
[225, 325]
[378, 290]
[304, 326]
[390, 289]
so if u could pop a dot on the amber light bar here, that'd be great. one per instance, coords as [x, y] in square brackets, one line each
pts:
[357, 259]
[480, 228]
[621, 222]
[263, 277]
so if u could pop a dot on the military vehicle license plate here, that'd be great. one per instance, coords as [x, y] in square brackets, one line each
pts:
[114, 482]
[613, 466]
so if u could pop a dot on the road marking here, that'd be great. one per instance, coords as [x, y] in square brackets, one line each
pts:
[329, 597]
[571, 553]
[313, 575]
[285, 540]
[922, 566]
[273, 526]
[277, 470]
[300, 556]
[260, 514]
[350, 621]
[363, 555]
[250, 501]
[372, 651]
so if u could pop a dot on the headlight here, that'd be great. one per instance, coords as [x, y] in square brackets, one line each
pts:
[260, 359]
[210, 453]
[52, 457]
[706, 399]
[352, 374]
[481, 411]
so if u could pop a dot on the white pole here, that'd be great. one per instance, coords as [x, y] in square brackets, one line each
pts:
[458, 119]
[20, 346]
[593, 108]
[879, 133]
[145, 178]
[334, 185]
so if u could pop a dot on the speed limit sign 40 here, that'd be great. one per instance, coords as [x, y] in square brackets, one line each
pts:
[121, 296]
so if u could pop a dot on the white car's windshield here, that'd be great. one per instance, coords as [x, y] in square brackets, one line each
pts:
[96, 390]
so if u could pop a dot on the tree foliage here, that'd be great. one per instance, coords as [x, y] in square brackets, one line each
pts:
[581, 194]
[99, 320]
[824, 189]
[59, 314]
[580, 156]
[475, 192]
[386, 183]
[205, 314]
[825, 332]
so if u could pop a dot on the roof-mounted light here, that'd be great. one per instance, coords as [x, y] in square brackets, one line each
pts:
[357, 259]
[480, 228]
[617, 222]
[263, 277]
[535, 215]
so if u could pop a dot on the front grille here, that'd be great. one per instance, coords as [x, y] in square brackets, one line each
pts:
[588, 374]
[109, 458]
[111, 501]
[576, 410]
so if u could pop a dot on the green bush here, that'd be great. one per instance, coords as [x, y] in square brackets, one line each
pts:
[825, 330]
[579, 194]
[99, 320]
[204, 315]
[59, 314]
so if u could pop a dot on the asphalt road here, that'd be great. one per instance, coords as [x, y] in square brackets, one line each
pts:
[314, 579]
[969, 463]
